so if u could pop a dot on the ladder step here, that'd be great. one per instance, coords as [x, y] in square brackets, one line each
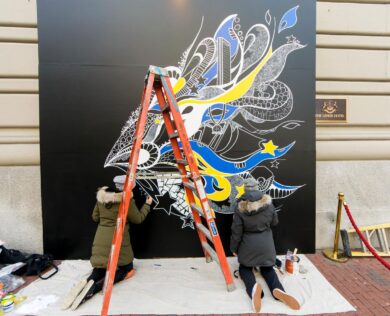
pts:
[205, 231]
[197, 208]
[182, 161]
[174, 135]
[211, 251]
[165, 107]
[189, 185]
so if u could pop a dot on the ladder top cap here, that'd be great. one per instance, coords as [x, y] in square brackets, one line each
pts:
[158, 70]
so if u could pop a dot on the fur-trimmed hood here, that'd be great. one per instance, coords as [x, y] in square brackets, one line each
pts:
[246, 206]
[105, 197]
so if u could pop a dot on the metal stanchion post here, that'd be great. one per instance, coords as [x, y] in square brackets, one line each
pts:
[334, 254]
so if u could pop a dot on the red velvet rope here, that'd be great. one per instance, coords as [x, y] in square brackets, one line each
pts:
[385, 263]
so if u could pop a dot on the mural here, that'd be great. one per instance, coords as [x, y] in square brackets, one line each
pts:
[244, 76]
[229, 92]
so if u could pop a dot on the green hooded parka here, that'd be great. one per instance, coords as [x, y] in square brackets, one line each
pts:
[105, 214]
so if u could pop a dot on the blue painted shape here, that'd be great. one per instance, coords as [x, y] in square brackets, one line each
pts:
[208, 186]
[166, 148]
[209, 75]
[230, 167]
[223, 31]
[285, 187]
[289, 19]
[230, 109]
[156, 107]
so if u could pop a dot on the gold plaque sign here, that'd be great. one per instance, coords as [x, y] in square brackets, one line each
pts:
[331, 110]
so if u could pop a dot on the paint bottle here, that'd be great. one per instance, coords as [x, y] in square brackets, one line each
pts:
[289, 263]
[2, 291]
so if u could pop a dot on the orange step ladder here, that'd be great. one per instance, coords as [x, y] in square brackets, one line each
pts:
[157, 79]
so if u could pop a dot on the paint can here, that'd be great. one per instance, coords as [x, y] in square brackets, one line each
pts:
[292, 263]
[8, 305]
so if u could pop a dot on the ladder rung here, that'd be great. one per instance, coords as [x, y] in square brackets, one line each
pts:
[174, 135]
[205, 231]
[189, 185]
[197, 208]
[211, 251]
[165, 107]
[182, 161]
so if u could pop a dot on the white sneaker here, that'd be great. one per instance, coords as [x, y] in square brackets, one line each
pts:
[68, 300]
[81, 297]
[287, 299]
[256, 297]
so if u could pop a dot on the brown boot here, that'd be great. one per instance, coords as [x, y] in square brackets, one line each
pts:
[287, 299]
[256, 297]
[130, 274]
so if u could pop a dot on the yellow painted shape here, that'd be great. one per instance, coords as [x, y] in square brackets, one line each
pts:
[221, 195]
[179, 85]
[240, 190]
[157, 120]
[208, 169]
[220, 178]
[237, 91]
[269, 148]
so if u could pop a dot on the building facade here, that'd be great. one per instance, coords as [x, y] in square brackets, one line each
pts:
[352, 62]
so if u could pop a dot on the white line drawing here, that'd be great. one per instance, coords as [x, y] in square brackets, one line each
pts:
[229, 94]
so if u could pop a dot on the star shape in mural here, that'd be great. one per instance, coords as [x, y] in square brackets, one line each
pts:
[201, 80]
[194, 89]
[275, 164]
[291, 39]
[269, 148]
[164, 202]
[187, 221]
[240, 191]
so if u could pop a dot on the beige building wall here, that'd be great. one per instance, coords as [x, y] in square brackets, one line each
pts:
[353, 61]
[20, 200]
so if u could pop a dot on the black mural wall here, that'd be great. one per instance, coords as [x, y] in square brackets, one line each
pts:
[244, 75]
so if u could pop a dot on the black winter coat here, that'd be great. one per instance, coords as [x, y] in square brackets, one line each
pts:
[251, 232]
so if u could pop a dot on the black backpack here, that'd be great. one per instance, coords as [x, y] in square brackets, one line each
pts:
[37, 264]
[8, 256]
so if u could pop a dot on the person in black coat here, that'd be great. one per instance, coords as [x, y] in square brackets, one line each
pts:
[252, 243]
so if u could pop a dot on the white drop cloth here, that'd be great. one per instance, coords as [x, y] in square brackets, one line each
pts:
[186, 286]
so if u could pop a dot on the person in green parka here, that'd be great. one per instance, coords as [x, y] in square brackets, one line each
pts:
[105, 214]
